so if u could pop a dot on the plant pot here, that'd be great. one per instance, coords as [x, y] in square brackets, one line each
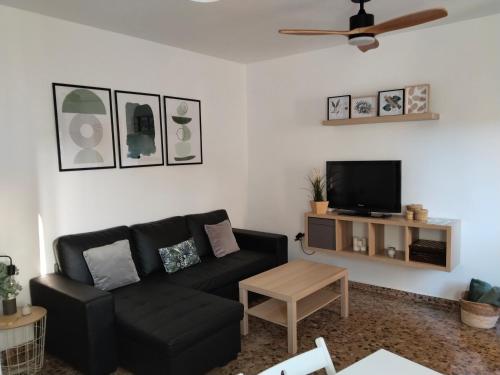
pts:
[9, 306]
[319, 208]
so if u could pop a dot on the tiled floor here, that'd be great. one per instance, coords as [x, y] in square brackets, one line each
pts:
[421, 332]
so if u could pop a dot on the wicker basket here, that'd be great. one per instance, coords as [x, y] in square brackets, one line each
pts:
[478, 315]
[421, 214]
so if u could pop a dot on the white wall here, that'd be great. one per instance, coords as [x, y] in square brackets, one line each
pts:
[38, 50]
[452, 165]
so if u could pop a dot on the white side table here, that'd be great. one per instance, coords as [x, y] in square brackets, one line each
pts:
[22, 342]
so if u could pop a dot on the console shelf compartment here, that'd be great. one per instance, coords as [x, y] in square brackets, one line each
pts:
[383, 119]
[394, 231]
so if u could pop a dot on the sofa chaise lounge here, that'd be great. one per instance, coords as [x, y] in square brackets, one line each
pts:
[181, 323]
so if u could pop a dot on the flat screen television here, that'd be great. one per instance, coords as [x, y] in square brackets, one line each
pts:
[364, 187]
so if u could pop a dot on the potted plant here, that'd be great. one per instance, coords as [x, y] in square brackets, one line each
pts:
[318, 204]
[9, 289]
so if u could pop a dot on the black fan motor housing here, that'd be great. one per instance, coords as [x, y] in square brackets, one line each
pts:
[361, 19]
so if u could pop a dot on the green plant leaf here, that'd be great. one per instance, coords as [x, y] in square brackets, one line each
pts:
[318, 184]
[9, 288]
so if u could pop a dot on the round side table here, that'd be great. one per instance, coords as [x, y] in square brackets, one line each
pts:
[22, 342]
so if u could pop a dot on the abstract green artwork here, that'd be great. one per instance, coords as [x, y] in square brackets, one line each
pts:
[183, 130]
[83, 101]
[139, 129]
[84, 127]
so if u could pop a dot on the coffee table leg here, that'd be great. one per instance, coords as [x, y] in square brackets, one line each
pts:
[244, 302]
[344, 301]
[292, 327]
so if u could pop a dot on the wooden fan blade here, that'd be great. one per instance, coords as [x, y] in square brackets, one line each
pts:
[409, 20]
[368, 47]
[313, 32]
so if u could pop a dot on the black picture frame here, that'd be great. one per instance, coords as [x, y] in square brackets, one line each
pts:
[165, 98]
[402, 102]
[117, 92]
[328, 106]
[57, 125]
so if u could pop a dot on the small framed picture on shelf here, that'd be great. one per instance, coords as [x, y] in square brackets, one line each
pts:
[417, 99]
[339, 107]
[364, 106]
[391, 102]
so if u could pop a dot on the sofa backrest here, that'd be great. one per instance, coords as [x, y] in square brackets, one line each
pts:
[145, 240]
[69, 250]
[149, 237]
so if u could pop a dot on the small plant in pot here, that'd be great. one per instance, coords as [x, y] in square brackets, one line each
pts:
[319, 205]
[9, 288]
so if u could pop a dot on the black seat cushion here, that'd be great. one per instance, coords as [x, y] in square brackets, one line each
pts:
[213, 273]
[170, 318]
[69, 250]
[196, 224]
[149, 237]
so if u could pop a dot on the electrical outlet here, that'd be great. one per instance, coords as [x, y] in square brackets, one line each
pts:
[299, 236]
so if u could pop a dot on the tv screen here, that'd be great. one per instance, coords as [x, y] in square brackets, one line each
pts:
[364, 186]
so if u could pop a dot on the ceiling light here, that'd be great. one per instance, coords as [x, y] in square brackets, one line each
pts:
[205, 1]
[361, 40]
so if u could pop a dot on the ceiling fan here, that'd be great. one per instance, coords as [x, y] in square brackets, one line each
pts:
[363, 31]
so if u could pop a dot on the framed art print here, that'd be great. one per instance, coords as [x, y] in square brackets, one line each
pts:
[417, 99]
[84, 127]
[339, 107]
[391, 102]
[183, 130]
[364, 106]
[140, 137]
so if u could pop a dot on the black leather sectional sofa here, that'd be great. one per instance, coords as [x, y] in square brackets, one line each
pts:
[182, 323]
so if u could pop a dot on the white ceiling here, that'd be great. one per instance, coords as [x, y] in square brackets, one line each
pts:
[239, 30]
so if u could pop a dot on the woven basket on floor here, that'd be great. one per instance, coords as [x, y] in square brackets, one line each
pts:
[478, 315]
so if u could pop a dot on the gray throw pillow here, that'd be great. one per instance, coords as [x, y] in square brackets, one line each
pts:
[179, 256]
[111, 266]
[222, 238]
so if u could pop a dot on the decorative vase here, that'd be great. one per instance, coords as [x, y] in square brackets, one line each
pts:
[356, 244]
[319, 208]
[363, 244]
[9, 306]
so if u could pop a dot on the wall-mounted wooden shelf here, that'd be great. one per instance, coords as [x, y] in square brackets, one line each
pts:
[332, 234]
[383, 119]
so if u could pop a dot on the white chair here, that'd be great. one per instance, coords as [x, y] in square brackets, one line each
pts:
[305, 363]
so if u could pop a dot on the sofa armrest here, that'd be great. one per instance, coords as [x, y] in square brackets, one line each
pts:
[262, 241]
[80, 322]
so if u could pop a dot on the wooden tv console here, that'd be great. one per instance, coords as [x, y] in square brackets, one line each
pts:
[333, 233]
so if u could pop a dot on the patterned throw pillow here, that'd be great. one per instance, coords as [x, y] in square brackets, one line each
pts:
[180, 256]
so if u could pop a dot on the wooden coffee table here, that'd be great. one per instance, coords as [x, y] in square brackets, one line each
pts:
[297, 289]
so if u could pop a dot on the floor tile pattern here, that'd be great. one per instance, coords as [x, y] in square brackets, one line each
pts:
[420, 330]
